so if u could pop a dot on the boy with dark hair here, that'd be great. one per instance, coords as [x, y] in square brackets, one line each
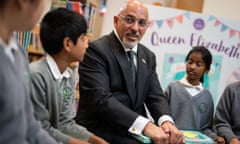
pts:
[64, 39]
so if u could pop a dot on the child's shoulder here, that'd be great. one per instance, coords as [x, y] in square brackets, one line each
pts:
[38, 66]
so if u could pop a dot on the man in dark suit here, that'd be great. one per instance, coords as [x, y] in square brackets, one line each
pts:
[112, 97]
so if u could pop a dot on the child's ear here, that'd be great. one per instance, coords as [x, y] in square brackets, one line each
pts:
[67, 44]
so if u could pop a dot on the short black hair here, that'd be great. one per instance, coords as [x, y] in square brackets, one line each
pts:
[58, 24]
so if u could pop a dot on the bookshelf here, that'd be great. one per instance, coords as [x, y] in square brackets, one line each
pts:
[35, 50]
[30, 40]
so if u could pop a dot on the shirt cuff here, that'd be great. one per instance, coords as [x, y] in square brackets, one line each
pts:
[138, 125]
[164, 118]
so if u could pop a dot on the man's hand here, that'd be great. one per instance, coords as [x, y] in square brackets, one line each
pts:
[234, 141]
[156, 133]
[175, 136]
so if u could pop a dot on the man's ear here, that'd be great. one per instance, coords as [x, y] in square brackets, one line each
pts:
[67, 44]
[115, 20]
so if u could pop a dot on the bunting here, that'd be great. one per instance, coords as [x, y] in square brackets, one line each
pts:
[211, 18]
[232, 32]
[186, 15]
[159, 23]
[170, 21]
[179, 19]
[224, 27]
[217, 23]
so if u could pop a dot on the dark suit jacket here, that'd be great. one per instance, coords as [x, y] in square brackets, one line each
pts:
[108, 103]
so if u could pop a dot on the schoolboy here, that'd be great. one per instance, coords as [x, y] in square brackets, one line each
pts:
[64, 39]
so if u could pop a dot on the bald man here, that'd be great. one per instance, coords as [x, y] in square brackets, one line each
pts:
[113, 96]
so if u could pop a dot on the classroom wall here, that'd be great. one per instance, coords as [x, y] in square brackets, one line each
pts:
[112, 9]
[220, 8]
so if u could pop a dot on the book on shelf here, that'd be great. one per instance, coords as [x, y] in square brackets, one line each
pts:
[35, 46]
[59, 3]
[91, 19]
[23, 38]
[30, 40]
[87, 9]
[75, 6]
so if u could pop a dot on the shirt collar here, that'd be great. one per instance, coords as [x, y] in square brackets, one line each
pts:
[12, 44]
[125, 49]
[10, 47]
[55, 70]
[187, 84]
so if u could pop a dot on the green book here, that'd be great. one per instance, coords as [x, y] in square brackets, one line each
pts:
[196, 137]
[142, 138]
[191, 137]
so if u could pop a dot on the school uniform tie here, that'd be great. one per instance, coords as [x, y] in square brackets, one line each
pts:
[16, 57]
[131, 55]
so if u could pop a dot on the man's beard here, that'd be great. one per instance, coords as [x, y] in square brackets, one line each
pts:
[129, 44]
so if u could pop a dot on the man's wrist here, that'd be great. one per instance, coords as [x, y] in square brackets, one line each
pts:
[138, 125]
[165, 118]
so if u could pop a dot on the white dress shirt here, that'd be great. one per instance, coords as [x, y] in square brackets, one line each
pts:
[55, 70]
[192, 89]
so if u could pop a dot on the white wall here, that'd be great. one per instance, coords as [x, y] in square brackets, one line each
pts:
[220, 8]
[112, 9]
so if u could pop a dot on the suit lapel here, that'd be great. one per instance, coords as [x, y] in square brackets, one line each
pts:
[141, 71]
[121, 57]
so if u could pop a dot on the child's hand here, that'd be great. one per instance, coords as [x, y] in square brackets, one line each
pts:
[97, 140]
[219, 140]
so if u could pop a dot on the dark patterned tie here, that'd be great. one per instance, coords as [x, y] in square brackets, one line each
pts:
[131, 55]
[13, 54]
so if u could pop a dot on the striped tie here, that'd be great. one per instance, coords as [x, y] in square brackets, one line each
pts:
[131, 55]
